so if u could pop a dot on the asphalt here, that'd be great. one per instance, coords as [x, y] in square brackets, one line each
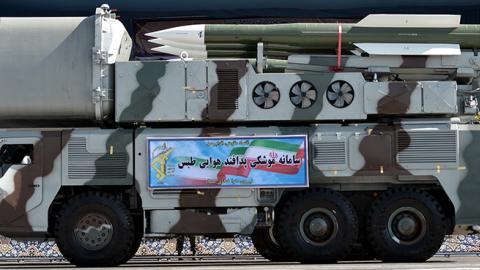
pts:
[437, 262]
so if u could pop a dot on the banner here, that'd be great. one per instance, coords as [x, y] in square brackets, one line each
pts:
[277, 161]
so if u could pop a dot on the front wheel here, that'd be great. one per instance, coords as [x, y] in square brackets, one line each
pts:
[95, 229]
[317, 226]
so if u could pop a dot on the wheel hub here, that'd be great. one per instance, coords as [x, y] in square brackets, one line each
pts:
[94, 231]
[407, 225]
[318, 226]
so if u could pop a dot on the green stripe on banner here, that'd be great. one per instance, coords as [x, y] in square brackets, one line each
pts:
[276, 145]
[238, 151]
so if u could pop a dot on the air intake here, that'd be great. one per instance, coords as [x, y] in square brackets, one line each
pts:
[427, 147]
[228, 89]
[328, 153]
[85, 165]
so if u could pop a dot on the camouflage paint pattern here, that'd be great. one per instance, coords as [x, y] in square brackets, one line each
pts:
[24, 182]
[469, 186]
[382, 159]
[207, 199]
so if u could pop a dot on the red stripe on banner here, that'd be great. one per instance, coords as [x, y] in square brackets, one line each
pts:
[277, 168]
[285, 169]
[280, 168]
[301, 153]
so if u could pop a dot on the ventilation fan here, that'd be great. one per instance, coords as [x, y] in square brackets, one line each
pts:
[266, 95]
[303, 94]
[340, 94]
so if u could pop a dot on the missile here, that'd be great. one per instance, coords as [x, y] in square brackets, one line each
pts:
[182, 34]
[272, 64]
[234, 46]
[276, 51]
[422, 33]
[216, 53]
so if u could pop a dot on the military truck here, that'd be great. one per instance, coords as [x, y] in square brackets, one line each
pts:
[315, 162]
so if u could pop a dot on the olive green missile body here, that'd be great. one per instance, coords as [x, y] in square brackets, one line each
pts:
[325, 36]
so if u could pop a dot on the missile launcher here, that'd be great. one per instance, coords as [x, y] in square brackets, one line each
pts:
[397, 34]
[345, 72]
[316, 84]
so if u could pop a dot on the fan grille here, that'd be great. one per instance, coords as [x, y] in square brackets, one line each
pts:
[266, 95]
[340, 94]
[303, 94]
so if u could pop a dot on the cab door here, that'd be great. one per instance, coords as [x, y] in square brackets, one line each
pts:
[21, 178]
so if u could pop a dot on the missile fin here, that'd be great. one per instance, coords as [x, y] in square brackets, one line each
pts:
[409, 48]
[410, 21]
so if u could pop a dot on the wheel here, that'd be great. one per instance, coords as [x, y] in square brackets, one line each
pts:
[137, 240]
[95, 229]
[317, 226]
[266, 244]
[405, 225]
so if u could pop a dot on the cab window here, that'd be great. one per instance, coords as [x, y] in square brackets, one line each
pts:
[21, 154]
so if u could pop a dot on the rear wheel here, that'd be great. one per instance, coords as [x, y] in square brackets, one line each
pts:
[267, 245]
[317, 226]
[406, 225]
[95, 229]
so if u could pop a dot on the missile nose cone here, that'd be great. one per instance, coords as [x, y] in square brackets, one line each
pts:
[158, 41]
[193, 34]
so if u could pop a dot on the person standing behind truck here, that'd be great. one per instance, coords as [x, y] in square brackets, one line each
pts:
[180, 243]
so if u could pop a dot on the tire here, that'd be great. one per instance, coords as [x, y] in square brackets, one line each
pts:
[136, 241]
[405, 225]
[265, 243]
[107, 243]
[317, 226]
